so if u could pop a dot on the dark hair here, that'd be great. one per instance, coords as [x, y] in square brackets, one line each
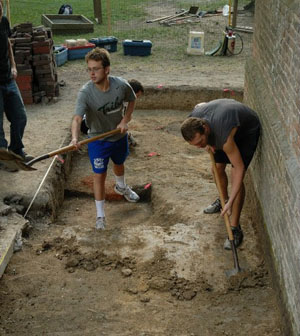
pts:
[136, 85]
[99, 55]
[191, 126]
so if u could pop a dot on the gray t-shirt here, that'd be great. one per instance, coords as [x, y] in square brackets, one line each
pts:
[222, 115]
[103, 110]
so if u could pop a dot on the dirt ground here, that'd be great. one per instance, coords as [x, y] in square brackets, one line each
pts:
[158, 268]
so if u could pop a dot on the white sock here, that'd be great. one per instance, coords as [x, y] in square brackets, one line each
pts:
[120, 180]
[100, 208]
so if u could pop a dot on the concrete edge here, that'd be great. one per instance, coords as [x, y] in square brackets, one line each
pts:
[8, 241]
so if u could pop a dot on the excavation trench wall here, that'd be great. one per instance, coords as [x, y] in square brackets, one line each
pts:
[183, 98]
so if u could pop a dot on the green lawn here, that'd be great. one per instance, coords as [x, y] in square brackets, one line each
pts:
[128, 19]
[127, 16]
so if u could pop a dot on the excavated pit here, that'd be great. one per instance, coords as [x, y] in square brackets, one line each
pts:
[158, 268]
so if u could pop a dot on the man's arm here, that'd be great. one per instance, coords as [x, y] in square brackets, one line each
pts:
[238, 168]
[12, 60]
[127, 117]
[75, 128]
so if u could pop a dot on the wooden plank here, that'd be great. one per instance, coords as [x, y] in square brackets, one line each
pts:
[244, 29]
[108, 11]
[98, 11]
[13, 225]
[235, 10]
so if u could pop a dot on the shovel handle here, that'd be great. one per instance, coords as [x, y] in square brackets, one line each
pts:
[173, 16]
[159, 19]
[84, 142]
[222, 198]
[73, 147]
[226, 218]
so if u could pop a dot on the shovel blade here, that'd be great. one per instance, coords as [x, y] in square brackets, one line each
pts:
[233, 272]
[193, 10]
[14, 160]
[23, 166]
[7, 155]
[237, 268]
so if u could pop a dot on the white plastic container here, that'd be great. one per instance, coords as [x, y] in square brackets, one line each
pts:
[81, 42]
[70, 43]
[196, 43]
[226, 10]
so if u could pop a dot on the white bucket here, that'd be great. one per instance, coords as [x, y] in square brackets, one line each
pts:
[225, 10]
[196, 43]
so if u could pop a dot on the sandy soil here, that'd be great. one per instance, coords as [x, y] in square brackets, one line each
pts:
[159, 267]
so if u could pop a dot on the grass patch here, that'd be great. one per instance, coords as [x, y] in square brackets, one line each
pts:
[128, 21]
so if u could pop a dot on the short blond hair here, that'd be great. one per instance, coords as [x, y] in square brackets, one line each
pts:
[99, 55]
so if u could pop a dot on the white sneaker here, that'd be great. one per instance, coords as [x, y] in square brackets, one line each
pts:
[129, 194]
[100, 223]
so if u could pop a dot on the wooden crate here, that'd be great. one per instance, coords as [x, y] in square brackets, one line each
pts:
[64, 24]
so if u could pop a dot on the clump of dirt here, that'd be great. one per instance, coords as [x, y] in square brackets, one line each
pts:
[156, 274]
[16, 202]
[69, 251]
[250, 279]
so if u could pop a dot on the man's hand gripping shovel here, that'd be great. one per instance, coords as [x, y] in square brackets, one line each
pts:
[21, 164]
[237, 268]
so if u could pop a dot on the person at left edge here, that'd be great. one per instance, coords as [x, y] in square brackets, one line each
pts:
[11, 103]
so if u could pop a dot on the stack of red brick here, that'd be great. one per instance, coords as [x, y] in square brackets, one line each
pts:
[35, 60]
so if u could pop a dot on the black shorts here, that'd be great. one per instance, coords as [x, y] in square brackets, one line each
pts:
[246, 146]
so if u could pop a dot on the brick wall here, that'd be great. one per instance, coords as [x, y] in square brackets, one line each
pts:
[272, 88]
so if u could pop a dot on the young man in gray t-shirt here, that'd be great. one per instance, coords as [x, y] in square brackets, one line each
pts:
[102, 101]
[231, 131]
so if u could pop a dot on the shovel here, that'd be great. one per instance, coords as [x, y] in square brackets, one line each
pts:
[237, 268]
[27, 165]
[192, 10]
[164, 17]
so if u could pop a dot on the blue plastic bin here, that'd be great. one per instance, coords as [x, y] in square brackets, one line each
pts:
[137, 47]
[61, 55]
[108, 43]
[79, 52]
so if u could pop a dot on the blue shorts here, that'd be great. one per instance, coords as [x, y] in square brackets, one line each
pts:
[101, 151]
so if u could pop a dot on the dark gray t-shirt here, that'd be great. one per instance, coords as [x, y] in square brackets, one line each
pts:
[103, 110]
[222, 115]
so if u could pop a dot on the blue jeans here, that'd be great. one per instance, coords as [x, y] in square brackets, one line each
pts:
[11, 103]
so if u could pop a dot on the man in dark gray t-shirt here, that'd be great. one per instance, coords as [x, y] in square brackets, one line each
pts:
[231, 131]
[102, 101]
